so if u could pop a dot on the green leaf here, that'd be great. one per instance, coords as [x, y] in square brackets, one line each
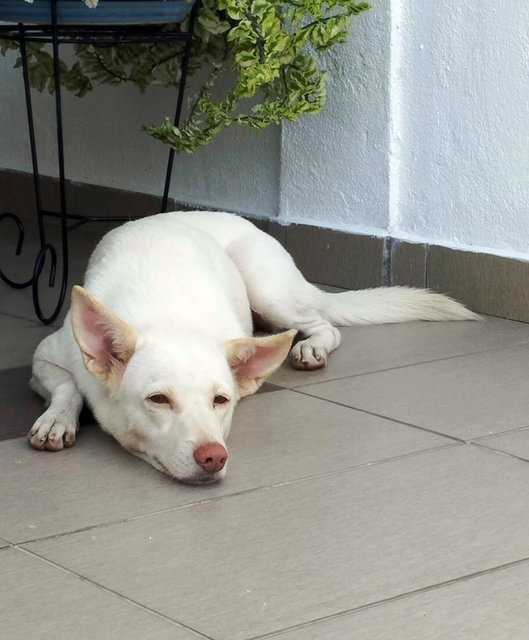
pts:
[257, 60]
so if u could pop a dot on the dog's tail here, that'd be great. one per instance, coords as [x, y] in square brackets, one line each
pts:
[391, 304]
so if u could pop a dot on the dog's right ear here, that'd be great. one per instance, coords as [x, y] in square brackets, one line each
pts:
[252, 360]
[107, 343]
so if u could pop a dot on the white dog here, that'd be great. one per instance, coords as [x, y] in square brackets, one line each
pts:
[159, 341]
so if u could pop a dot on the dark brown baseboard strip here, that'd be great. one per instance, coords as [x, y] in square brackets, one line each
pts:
[487, 283]
[17, 196]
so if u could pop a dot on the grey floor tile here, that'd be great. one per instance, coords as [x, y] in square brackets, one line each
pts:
[291, 436]
[56, 604]
[45, 493]
[3, 543]
[19, 302]
[259, 562]
[276, 437]
[379, 347]
[487, 607]
[19, 338]
[330, 289]
[516, 443]
[19, 406]
[266, 387]
[465, 397]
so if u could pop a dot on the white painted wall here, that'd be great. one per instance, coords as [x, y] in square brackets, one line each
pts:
[105, 145]
[464, 86]
[425, 135]
[334, 166]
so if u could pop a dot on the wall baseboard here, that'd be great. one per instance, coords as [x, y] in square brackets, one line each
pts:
[486, 283]
[17, 195]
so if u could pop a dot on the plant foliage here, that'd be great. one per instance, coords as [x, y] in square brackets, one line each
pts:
[263, 49]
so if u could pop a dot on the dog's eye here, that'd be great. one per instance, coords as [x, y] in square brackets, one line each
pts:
[159, 398]
[220, 400]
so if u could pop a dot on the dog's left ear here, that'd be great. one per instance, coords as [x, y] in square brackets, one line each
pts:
[107, 342]
[252, 360]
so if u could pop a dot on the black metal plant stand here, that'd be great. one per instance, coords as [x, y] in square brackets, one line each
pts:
[57, 34]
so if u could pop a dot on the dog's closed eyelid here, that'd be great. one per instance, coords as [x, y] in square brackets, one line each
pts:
[159, 399]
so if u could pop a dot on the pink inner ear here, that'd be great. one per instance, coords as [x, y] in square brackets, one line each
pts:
[258, 363]
[98, 341]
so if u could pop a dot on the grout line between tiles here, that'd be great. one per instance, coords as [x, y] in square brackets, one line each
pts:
[16, 316]
[108, 590]
[396, 598]
[499, 451]
[525, 427]
[384, 417]
[57, 324]
[426, 255]
[277, 485]
[409, 364]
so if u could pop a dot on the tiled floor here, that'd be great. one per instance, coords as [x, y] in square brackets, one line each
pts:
[383, 498]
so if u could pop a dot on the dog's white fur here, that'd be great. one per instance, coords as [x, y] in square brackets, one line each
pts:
[161, 346]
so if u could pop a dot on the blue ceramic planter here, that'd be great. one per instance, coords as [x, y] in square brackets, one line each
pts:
[106, 12]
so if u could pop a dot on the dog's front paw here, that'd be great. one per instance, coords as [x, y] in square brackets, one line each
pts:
[304, 355]
[52, 432]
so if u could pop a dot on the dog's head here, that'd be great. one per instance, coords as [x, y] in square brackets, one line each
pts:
[169, 399]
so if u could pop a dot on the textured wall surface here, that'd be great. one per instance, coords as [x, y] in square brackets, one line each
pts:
[334, 166]
[465, 123]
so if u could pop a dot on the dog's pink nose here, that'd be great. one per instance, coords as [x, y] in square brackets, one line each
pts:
[211, 456]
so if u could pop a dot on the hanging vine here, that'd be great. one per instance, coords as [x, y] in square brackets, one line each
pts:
[265, 51]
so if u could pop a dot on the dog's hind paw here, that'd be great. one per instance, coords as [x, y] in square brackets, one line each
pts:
[304, 355]
[52, 432]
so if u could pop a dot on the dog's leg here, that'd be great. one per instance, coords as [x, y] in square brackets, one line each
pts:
[282, 297]
[57, 426]
[312, 352]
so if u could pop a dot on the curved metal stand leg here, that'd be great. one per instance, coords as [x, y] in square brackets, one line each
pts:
[180, 100]
[46, 247]
[37, 271]
[23, 34]
[39, 266]
[18, 251]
